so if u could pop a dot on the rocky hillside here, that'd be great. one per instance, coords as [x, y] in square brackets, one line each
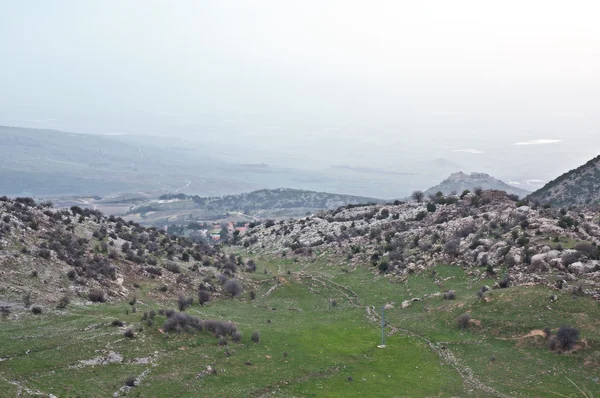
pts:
[488, 234]
[265, 203]
[48, 256]
[577, 187]
[458, 182]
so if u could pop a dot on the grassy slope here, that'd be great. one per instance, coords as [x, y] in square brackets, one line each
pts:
[325, 345]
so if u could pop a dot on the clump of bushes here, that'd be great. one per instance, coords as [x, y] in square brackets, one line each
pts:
[180, 322]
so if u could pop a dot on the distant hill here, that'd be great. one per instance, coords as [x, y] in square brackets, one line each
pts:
[458, 182]
[580, 186]
[264, 203]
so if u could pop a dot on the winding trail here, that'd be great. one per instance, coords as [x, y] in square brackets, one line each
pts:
[469, 379]
[184, 187]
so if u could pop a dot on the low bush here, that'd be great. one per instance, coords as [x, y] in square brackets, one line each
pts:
[184, 302]
[117, 322]
[36, 310]
[463, 321]
[567, 337]
[237, 336]
[97, 296]
[63, 302]
[129, 333]
[232, 287]
[504, 282]
[449, 295]
[203, 297]
[255, 336]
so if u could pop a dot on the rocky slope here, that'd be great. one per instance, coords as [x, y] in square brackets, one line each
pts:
[47, 254]
[576, 187]
[489, 233]
[458, 182]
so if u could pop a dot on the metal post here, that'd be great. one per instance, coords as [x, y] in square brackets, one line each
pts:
[382, 327]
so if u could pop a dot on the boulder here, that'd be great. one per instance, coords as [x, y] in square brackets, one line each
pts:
[483, 259]
[577, 268]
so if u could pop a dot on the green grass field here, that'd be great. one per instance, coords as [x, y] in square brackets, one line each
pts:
[331, 350]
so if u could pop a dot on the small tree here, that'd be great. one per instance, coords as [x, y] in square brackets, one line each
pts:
[418, 196]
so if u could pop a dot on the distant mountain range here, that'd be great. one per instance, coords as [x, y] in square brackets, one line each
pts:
[51, 163]
[580, 186]
[458, 182]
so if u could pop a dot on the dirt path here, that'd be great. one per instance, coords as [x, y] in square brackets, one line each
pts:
[445, 354]
[469, 379]
[21, 389]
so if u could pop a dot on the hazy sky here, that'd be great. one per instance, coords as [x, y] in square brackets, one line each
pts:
[317, 83]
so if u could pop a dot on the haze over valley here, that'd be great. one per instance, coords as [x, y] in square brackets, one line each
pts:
[333, 198]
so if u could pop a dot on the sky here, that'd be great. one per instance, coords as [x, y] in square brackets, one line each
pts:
[511, 88]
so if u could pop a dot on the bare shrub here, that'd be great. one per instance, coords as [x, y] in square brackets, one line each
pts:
[63, 302]
[463, 321]
[184, 302]
[504, 282]
[450, 295]
[232, 287]
[174, 268]
[97, 296]
[452, 247]
[203, 297]
[129, 333]
[418, 196]
[567, 337]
